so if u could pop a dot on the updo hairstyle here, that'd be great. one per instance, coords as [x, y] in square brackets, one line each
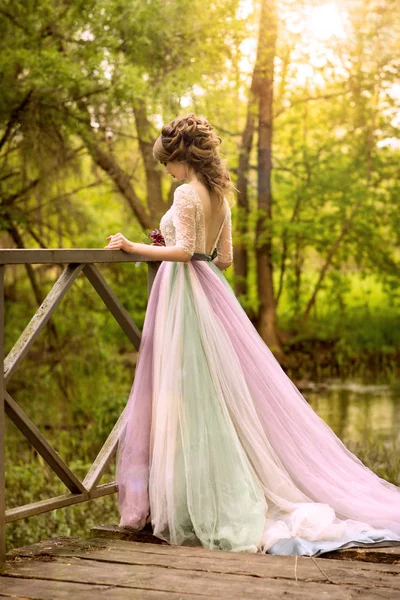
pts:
[193, 140]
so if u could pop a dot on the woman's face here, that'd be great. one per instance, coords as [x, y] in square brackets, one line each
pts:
[176, 169]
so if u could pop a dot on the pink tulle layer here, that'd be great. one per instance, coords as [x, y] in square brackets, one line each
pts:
[220, 448]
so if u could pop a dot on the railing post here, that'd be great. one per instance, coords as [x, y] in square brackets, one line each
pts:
[77, 259]
[152, 268]
[2, 419]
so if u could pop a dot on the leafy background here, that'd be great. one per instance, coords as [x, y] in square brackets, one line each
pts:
[84, 89]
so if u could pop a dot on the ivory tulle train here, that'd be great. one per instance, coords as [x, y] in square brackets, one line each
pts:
[219, 446]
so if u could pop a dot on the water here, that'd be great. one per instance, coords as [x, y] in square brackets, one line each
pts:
[359, 412]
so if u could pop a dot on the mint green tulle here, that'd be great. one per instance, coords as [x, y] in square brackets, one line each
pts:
[223, 427]
[211, 492]
[225, 501]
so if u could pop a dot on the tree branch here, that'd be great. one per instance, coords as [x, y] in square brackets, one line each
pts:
[308, 99]
[12, 19]
[107, 162]
[328, 261]
[14, 118]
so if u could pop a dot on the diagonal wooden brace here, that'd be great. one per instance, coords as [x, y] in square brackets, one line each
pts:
[36, 508]
[39, 319]
[105, 455]
[38, 441]
[118, 311]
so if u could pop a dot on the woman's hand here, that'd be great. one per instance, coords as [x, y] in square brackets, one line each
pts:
[119, 242]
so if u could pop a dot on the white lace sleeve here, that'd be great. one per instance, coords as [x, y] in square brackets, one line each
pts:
[224, 245]
[184, 220]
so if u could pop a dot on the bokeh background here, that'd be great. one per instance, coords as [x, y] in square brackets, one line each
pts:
[305, 95]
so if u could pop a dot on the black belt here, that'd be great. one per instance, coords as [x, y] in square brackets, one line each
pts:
[200, 256]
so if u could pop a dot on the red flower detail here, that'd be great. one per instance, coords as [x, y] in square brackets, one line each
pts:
[157, 238]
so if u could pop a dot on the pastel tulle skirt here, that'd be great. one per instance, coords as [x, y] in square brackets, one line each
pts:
[219, 447]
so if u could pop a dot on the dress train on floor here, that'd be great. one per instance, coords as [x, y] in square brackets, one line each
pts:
[221, 448]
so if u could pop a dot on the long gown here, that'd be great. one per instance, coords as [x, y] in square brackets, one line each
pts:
[218, 446]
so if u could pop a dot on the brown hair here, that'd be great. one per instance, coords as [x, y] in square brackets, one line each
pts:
[193, 140]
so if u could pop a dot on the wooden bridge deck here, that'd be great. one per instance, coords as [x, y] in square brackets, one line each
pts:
[97, 567]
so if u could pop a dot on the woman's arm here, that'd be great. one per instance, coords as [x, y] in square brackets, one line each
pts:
[184, 220]
[224, 246]
[159, 253]
[221, 266]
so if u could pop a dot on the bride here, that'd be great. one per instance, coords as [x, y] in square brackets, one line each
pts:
[218, 446]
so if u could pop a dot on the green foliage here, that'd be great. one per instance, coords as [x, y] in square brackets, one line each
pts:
[356, 327]
[72, 76]
[383, 459]
[28, 482]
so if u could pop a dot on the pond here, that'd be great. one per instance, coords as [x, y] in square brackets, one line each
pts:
[357, 411]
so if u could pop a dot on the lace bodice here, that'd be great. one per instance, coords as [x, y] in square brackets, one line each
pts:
[183, 225]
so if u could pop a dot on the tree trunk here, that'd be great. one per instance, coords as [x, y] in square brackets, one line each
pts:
[147, 137]
[240, 261]
[107, 162]
[264, 82]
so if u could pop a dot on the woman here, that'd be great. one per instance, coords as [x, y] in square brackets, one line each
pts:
[219, 447]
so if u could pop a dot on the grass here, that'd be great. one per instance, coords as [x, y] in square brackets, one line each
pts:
[383, 459]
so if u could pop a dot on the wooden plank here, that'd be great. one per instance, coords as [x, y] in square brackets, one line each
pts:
[196, 551]
[2, 445]
[39, 589]
[36, 508]
[373, 555]
[126, 533]
[105, 455]
[40, 318]
[63, 256]
[262, 566]
[233, 584]
[384, 554]
[38, 441]
[115, 307]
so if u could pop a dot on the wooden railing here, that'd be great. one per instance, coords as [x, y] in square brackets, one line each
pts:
[75, 261]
